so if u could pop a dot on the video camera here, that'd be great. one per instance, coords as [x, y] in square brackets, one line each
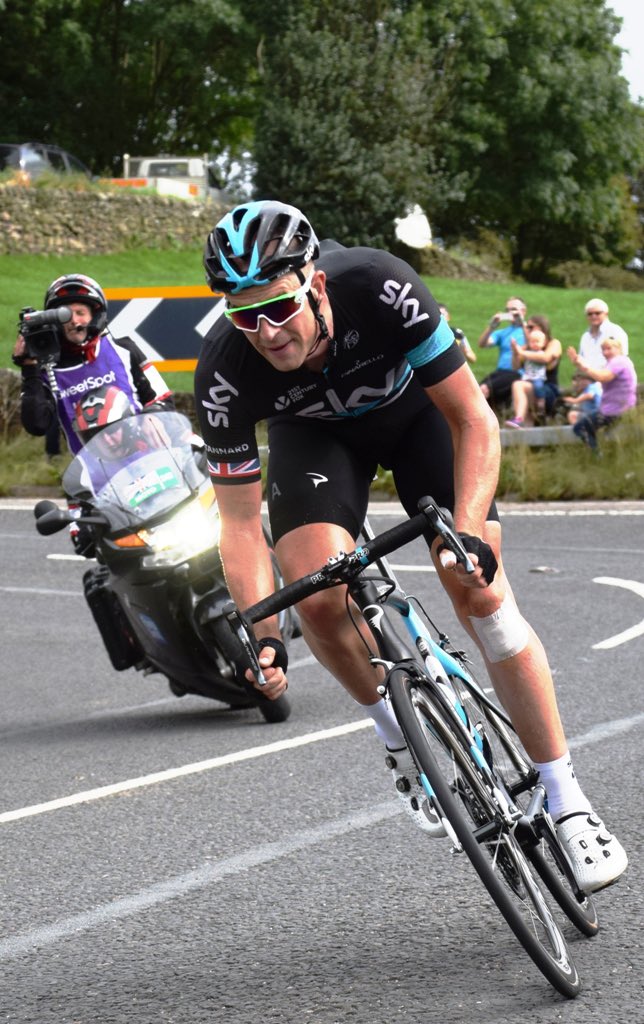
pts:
[39, 328]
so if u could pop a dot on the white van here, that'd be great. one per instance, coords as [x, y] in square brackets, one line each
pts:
[190, 177]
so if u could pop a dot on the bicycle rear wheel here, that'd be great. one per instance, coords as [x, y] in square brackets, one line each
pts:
[510, 763]
[450, 775]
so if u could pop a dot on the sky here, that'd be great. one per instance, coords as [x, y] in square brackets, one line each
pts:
[631, 38]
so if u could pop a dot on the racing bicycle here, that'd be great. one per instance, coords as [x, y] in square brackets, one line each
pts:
[470, 763]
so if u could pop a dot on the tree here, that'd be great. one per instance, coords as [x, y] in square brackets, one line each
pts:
[101, 77]
[554, 132]
[339, 126]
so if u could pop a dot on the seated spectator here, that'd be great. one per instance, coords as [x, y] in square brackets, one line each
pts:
[619, 390]
[536, 392]
[599, 328]
[459, 335]
[497, 386]
[585, 397]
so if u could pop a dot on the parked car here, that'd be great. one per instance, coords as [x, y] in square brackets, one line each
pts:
[34, 158]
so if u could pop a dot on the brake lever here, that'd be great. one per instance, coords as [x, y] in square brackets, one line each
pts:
[240, 628]
[443, 522]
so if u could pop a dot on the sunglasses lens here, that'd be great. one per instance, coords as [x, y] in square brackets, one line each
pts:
[277, 313]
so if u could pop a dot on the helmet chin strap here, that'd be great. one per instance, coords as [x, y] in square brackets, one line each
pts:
[323, 331]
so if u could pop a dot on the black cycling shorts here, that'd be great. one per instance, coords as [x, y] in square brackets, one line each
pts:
[321, 472]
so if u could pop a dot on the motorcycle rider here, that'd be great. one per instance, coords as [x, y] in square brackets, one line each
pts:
[89, 359]
[129, 436]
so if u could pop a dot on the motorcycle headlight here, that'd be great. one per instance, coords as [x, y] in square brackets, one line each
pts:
[190, 532]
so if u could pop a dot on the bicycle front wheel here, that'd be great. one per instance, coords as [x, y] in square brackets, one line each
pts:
[501, 747]
[450, 775]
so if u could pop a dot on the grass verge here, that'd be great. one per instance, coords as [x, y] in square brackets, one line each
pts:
[526, 474]
[566, 473]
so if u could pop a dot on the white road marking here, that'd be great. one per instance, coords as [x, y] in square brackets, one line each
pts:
[632, 631]
[413, 568]
[572, 512]
[206, 875]
[393, 508]
[168, 774]
[41, 590]
[209, 874]
[606, 730]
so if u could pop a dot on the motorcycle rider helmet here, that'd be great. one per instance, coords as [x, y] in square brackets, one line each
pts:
[79, 288]
[98, 409]
[256, 243]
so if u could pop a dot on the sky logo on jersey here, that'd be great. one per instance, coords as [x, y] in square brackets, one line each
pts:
[395, 294]
[220, 395]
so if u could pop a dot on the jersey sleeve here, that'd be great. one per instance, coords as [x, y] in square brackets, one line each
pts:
[410, 314]
[226, 425]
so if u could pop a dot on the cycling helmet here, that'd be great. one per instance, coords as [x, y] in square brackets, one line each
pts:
[94, 411]
[79, 288]
[256, 243]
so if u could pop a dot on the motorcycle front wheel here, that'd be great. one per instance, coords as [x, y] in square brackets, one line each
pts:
[275, 710]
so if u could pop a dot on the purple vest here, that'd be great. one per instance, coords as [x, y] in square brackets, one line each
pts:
[111, 367]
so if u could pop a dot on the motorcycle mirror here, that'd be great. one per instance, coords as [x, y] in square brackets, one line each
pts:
[44, 506]
[53, 521]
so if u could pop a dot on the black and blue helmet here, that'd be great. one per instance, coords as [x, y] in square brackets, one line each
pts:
[256, 243]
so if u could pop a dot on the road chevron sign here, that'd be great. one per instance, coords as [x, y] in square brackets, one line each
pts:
[168, 324]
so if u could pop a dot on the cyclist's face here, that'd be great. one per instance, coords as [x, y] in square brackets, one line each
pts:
[289, 346]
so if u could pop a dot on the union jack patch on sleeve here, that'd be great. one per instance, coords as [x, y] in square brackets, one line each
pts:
[233, 471]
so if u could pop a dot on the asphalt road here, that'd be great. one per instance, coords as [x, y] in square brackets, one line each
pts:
[216, 868]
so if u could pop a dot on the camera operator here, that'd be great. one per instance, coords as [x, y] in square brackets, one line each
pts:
[502, 328]
[66, 352]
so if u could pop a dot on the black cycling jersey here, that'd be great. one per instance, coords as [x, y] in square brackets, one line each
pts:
[389, 339]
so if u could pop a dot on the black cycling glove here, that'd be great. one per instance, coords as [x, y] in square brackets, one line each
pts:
[483, 551]
[281, 655]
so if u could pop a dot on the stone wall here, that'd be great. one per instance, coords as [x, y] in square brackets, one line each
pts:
[61, 221]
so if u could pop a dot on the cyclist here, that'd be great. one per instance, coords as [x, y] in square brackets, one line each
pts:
[89, 359]
[345, 353]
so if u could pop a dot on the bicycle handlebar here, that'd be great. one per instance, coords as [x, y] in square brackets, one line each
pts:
[345, 566]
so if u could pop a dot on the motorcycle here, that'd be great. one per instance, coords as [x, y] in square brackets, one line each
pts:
[157, 591]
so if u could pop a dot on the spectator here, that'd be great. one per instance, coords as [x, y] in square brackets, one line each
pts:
[585, 397]
[461, 339]
[619, 389]
[538, 361]
[497, 386]
[599, 328]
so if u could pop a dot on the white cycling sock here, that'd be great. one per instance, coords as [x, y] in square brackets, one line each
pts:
[565, 795]
[387, 727]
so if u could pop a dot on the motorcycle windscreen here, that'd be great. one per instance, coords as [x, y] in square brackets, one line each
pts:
[136, 468]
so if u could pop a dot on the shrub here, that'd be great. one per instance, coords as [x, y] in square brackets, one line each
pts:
[593, 276]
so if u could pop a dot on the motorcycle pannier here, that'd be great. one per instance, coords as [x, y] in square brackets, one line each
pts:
[120, 642]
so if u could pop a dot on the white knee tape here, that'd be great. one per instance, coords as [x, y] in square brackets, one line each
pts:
[504, 633]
